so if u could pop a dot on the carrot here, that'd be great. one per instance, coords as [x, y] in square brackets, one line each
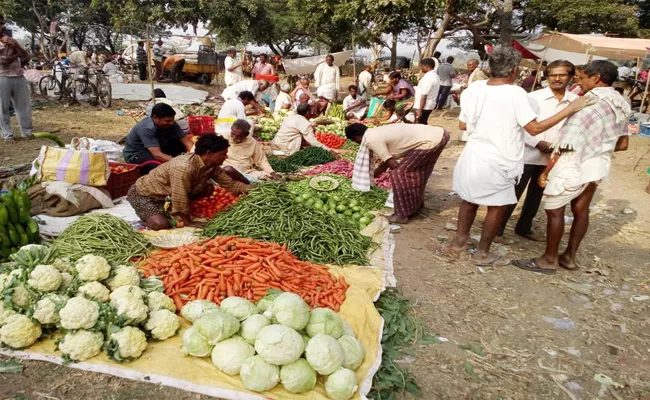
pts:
[229, 290]
[177, 302]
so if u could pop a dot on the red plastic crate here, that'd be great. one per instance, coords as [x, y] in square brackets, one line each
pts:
[268, 78]
[119, 183]
[201, 124]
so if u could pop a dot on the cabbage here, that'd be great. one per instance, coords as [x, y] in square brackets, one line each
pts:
[216, 326]
[258, 375]
[347, 329]
[195, 344]
[341, 385]
[353, 353]
[279, 344]
[291, 310]
[197, 308]
[324, 320]
[230, 354]
[298, 377]
[265, 302]
[324, 354]
[251, 325]
[238, 307]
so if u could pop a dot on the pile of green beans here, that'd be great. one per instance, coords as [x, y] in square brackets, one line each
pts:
[349, 145]
[102, 235]
[310, 156]
[372, 200]
[282, 165]
[269, 213]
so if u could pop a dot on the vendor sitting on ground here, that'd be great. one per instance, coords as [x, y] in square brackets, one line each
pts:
[296, 132]
[354, 105]
[183, 179]
[246, 160]
[233, 110]
[179, 117]
[156, 139]
[416, 146]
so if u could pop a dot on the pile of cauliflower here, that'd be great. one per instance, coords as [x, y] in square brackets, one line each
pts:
[90, 303]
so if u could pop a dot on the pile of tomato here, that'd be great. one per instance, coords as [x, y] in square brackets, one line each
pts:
[120, 169]
[208, 207]
[330, 140]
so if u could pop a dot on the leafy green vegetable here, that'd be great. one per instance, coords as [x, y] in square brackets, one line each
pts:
[11, 367]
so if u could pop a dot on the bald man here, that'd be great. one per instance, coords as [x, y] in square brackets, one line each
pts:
[475, 73]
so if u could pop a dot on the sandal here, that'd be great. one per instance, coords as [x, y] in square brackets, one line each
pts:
[531, 266]
[497, 261]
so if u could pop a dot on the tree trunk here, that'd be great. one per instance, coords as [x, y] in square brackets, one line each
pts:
[506, 23]
[433, 42]
[393, 52]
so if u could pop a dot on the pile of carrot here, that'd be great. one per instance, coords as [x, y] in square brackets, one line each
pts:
[225, 266]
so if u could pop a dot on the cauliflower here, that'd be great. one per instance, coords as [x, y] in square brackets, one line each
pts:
[5, 280]
[159, 301]
[19, 331]
[66, 280]
[124, 276]
[5, 313]
[126, 344]
[92, 268]
[162, 324]
[45, 278]
[46, 310]
[94, 291]
[63, 265]
[129, 303]
[79, 313]
[22, 297]
[81, 345]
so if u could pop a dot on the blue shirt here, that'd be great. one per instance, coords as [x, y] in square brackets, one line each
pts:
[146, 134]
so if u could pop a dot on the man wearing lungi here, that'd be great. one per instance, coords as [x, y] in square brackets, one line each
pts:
[416, 146]
[585, 146]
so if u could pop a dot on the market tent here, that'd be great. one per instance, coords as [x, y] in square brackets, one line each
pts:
[601, 46]
[307, 65]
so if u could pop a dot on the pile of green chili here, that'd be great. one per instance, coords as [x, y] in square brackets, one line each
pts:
[282, 165]
[102, 235]
[269, 213]
[310, 156]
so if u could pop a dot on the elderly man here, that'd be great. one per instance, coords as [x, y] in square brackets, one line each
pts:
[545, 103]
[416, 146]
[262, 67]
[426, 91]
[183, 179]
[249, 85]
[246, 156]
[475, 73]
[296, 132]
[233, 68]
[156, 139]
[13, 86]
[232, 110]
[585, 146]
[496, 115]
[328, 79]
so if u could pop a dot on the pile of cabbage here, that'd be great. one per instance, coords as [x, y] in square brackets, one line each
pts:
[277, 341]
[91, 304]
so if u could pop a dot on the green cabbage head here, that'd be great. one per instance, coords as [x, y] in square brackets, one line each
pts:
[341, 385]
[324, 320]
[324, 354]
[230, 354]
[279, 344]
[298, 377]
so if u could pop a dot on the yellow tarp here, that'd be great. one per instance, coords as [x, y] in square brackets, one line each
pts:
[164, 363]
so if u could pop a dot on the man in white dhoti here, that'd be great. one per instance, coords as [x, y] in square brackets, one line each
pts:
[495, 113]
[328, 79]
[585, 146]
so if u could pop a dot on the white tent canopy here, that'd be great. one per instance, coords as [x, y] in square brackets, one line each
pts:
[581, 48]
[307, 65]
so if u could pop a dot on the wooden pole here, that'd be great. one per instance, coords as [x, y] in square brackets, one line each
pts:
[153, 96]
[638, 68]
[645, 94]
[132, 61]
[354, 60]
[541, 60]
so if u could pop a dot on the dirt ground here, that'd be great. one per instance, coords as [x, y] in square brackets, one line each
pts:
[496, 323]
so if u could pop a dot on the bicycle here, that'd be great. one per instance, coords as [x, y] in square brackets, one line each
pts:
[99, 90]
[50, 86]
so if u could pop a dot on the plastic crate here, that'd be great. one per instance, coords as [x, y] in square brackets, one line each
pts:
[268, 78]
[119, 183]
[201, 124]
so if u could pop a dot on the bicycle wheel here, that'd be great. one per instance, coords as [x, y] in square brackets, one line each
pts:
[47, 86]
[104, 91]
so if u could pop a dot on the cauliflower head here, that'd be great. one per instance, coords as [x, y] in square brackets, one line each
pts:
[129, 303]
[129, 291]
[45, 278]
[94, 291]
[19, 331]
[162, 324]
[5, 313]
[46, 310]
[92, 268]
[81, 345]
[160, 301]
[22, 297]
[63, 265]
[79, 313]
[126, 344]
[66, 280]
[124, 276]
[5, 280]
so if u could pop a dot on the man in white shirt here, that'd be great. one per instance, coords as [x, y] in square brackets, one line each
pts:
[585, 146]
[624, 72]
[446, 72]
[426, 91]
[233, 68]
[364, 82]
[545, 103]
[328, 79]
[296, 132]
[158, 58]
[354, 106]
[436, 59]
[255, 87]
[232, 110]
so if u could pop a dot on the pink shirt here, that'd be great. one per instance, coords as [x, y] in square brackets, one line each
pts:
[263, 69]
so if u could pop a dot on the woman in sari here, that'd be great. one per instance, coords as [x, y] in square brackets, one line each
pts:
[401, 91]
